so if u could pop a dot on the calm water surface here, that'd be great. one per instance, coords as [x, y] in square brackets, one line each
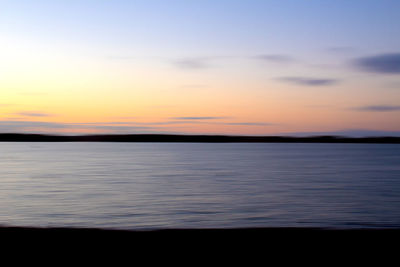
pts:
[189, 185]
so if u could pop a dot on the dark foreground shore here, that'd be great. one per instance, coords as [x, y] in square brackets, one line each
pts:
[193, 234]
[249, 246]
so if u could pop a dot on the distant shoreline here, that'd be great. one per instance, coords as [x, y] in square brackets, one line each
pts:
[169, 138]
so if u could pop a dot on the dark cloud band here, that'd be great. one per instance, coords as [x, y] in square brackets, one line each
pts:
[384, 63]
[306, 81]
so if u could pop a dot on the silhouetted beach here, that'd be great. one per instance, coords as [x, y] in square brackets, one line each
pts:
[253, 234]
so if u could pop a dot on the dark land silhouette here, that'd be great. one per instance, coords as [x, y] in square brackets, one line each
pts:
[18, 137]
[224, 233]
[227, 244]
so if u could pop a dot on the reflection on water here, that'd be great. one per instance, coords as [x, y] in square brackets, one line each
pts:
[188, 185]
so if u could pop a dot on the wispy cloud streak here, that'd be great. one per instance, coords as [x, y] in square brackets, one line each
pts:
[198, 118]
[192, 63]
[378, 108]
[306, 81]
[32, 114]
[250, 123]
[275, 58]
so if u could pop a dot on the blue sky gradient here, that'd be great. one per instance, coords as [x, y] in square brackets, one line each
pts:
[340, 56]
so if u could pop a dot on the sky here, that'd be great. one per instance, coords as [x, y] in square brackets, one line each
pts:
[237, 67]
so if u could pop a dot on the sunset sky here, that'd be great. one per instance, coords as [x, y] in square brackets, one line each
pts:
[246, 67]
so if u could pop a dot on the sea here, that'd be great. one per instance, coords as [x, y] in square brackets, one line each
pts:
[145, 186]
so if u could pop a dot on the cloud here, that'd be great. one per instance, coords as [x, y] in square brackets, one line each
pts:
[192, 63]
[306, 81]
[134, 123]
[126, 118]
[379, 108]
[175, 121]
[32, 114]
[346, 132]
[198, 118]
[119, 123]
[21, 126]
[116, 128]
[24, 126]
[51, 127]
[211, 120]
[385, 63]
[275, 58]
[250, 123]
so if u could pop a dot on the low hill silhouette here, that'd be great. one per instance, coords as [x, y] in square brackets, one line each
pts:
[19, 137]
